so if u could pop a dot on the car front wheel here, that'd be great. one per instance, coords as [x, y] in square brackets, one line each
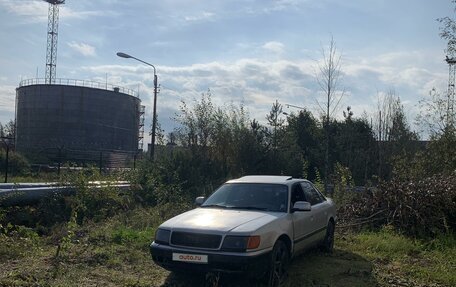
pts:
[328, 243]
[279, 264]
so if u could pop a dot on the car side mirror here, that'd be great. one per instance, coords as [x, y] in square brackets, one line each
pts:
[301, 206]
[199, 200]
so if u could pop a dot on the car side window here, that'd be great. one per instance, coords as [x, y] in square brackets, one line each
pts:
[318, 192]
[297, 194]
[311, 194]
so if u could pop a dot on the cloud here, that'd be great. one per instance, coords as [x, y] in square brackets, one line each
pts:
[205, 16]
[258, 82]
[34, 11]
[275, 47]
[294, 72]
[398, 69]
[254, 82]
[37, 11]
[7, 98]
[269, 7]
[280, 5]
[66, 13]
[82, 48]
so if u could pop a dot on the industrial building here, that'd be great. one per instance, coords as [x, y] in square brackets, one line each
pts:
[73, 115]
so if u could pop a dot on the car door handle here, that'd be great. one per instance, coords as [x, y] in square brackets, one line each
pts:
[311, 218]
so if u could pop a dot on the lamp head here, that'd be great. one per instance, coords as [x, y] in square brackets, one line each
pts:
[123, 55]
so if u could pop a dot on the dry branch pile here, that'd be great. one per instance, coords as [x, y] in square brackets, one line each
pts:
[421, 207]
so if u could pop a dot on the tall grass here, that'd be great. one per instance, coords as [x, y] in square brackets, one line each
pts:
[420, 260]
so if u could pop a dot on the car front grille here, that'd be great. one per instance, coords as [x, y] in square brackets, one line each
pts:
[208, 241]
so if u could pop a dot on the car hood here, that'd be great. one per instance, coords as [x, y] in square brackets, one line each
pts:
[220, 220]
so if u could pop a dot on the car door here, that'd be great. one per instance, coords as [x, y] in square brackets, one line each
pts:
[304, 226]
[319, 210]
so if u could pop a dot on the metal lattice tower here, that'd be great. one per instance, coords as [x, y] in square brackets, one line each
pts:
[51, 51]
[451, 82]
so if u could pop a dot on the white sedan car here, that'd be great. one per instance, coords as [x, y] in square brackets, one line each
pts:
[254, 224]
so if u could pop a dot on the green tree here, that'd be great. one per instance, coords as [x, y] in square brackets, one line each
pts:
[306, 131]
[393, 134]
[257, 146]
[355, 147]
[197, 122]
[441, 154]
[276, 122]
[436, 117]
[219, 143]
[276, 137]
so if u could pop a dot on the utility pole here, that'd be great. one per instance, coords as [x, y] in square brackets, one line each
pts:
[154, 120]
[451, 82]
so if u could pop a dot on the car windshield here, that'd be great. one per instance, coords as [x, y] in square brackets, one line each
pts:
[250, 196]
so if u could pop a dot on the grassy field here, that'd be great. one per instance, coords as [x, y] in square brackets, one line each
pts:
[115, 253]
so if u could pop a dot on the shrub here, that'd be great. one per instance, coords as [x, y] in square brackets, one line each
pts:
[343, 184]
[91, 203]
[17, 164]
[161, 185]
[86, 204]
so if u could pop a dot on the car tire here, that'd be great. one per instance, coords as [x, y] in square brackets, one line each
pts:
[328, 242]
[279, 264]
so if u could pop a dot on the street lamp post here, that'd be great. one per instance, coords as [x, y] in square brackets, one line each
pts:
[154, 116]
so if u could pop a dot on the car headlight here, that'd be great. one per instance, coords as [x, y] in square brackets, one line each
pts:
[240, 243]
[162, 236]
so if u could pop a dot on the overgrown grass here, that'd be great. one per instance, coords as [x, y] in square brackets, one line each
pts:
[101, 238]
[115, 252]
[397, 256]
[109, 253]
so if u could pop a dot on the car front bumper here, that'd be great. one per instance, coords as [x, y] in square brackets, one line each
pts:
[253, 263]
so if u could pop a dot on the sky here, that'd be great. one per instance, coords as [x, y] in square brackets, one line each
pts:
[249, 52]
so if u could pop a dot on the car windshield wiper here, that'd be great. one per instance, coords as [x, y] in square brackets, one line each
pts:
[214, 205]
[249, 207]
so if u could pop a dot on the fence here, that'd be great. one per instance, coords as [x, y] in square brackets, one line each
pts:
[79, 83]
[52, 160]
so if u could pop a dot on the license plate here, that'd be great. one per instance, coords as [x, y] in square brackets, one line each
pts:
[193, 258]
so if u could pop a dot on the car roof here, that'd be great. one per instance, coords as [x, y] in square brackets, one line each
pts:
[265, 179]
